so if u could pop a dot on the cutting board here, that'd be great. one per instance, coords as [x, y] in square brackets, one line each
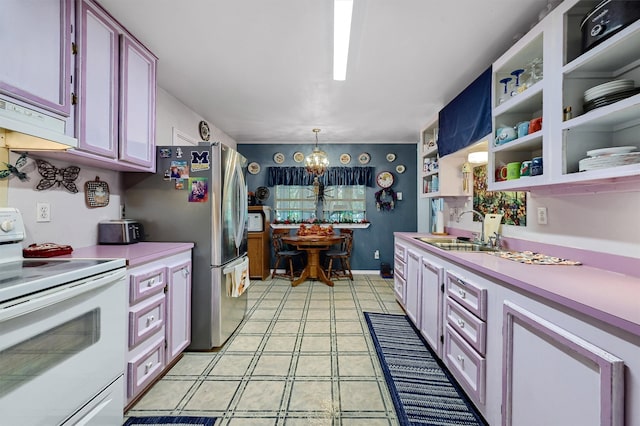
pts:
[491, 225]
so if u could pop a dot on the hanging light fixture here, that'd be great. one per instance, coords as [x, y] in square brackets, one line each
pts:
[317, 162]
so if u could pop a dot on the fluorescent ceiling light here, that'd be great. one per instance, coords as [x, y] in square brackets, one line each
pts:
[478, 157]
[342, 10]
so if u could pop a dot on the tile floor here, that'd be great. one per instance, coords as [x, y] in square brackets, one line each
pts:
[303, 356]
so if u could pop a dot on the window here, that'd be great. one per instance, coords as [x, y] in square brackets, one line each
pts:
[340, 203]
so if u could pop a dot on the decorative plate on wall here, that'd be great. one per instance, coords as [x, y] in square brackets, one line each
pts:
[391, 157]
[364, 158]
[278, 157]
[298, 157]
[345, 158]
[400, 168]
[253, 168]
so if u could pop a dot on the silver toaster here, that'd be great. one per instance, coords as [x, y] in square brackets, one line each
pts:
[121, 231]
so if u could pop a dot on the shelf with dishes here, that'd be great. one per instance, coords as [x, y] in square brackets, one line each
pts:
[601, 84]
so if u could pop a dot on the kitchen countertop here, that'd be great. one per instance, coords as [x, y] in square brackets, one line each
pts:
[611, 297]
[135, 254]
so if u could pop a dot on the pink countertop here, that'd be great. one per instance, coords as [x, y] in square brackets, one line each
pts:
[611, 297]
[135, 254]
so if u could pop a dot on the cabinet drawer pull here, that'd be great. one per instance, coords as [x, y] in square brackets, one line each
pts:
[150, 319]
[462, 293]
[151, 282]
[460, 323]
[461, 361]
[148, 366]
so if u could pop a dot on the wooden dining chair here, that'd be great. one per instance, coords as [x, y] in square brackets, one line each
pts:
[283, 252]
[341, 254]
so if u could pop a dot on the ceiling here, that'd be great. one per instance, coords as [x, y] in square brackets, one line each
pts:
[261, 70]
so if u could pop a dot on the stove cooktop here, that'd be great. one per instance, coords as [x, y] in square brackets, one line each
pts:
[23, 277]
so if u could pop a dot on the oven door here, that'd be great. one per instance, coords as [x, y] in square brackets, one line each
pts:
[60, 348]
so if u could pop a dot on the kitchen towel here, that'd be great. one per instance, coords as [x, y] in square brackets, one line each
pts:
[237, 278]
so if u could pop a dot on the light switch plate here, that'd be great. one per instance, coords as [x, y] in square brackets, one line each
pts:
[542, 215]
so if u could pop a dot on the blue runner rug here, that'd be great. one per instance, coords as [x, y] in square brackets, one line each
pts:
[170, 420]
[423, 391]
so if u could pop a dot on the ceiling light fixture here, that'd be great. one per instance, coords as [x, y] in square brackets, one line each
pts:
[342, 10]
[317, 162]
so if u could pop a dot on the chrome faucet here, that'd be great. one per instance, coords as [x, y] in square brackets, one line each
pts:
[481, 216]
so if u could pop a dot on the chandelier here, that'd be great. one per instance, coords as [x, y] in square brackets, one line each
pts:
[317, 162]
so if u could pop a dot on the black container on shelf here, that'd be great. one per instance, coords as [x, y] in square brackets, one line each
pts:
[606, 19]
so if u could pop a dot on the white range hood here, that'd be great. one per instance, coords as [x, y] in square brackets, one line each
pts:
[24, 129]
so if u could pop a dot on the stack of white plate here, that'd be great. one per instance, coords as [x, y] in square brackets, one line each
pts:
[609, 88]
[609, 157]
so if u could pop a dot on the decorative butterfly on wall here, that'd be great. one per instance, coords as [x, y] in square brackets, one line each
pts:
[51, 176]
[11, 169]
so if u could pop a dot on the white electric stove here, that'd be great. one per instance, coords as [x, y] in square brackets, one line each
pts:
[62, 335]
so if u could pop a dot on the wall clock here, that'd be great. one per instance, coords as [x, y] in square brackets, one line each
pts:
[205, 133]
[384, 180]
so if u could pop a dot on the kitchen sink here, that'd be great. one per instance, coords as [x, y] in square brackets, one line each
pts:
[453, 244]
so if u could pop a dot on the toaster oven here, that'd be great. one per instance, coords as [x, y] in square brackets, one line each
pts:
[122, 231]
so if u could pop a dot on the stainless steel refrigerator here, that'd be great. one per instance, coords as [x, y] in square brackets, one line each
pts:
[199, 194]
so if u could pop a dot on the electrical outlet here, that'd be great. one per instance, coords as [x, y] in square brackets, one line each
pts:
[399, 196]
[43, 212]
[376, 254]
[542, 215]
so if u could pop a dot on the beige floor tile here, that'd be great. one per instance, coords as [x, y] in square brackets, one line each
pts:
[244, 343]
[320, 327]
[272, 365]
[348, 327]
[355, 365]
[270, 303]
[320, 304]
[350, 314]
[251, 421]
[318, 314]
[231, 365]
[311, 419]
[261, 395]
[295, 304]
[265, 314]
[311, 396]
[191, 364]
[286, 327]
[366, 422]
[314, 365]
[360, 396]
[280, 343]
[164, 395]
[351, 343]
[213, 395]
[345, 304]
[254, 327]
[371, 306]
[294, 314]
[316, 343]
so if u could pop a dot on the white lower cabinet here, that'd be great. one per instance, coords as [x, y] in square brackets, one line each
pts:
[159, 320]
[399, 268]
[430, 325]
[522, 360]
[412, 286]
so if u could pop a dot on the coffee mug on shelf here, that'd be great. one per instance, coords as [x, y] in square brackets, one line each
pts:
[513, 170]
[525, 169]
[501, 173]
[535, 125]
[536, 166]
[504, 135]
[523, 129]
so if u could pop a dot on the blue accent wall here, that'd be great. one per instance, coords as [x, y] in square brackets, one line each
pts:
[379, 235]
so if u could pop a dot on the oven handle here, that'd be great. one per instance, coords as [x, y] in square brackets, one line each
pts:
[58, 294]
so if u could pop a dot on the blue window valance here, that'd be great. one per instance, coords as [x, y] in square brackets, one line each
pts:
[333, 176]
[467, 118]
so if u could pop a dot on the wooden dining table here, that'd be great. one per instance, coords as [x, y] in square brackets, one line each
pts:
[313, 245]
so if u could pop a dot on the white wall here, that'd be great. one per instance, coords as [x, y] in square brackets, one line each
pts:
[602, 222]
[72, 222]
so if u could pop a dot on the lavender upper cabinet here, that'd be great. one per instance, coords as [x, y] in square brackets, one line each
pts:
[116, 94]
[36, 53]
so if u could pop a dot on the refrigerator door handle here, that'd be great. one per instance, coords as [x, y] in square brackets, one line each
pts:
[242, 214]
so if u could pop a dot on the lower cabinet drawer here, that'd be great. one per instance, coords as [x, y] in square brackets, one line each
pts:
[467, 325]
[398, 267]
[145, 319]
[145, 367]
[468, 367]
[398, 287]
